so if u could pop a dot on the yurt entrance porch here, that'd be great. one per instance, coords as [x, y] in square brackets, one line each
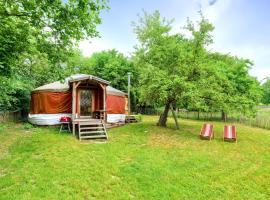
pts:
[89, 107]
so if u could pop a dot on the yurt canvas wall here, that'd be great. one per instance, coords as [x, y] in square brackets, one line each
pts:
[116, 105]
[49, 103]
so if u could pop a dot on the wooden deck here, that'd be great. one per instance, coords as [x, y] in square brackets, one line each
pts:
[85, 119]
[91, 120]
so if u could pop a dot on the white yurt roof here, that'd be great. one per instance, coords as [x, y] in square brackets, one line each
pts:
[63, 86]
[78, 77]
[56, 86]
[113, 91]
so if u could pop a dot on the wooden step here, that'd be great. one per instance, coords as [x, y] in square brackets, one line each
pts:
[91, 127]
[93, 137]
[90, 123]
[90, 132]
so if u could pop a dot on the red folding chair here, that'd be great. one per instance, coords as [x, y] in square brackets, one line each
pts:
[229, 133]
[207, 132]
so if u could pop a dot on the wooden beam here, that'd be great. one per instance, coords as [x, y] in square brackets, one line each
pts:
[73, 107]
[104, 104]
[77, 84]
[78, 104]
[104, 101]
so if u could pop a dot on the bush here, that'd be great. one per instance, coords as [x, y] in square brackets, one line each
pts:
[28, 126]
[138, 117]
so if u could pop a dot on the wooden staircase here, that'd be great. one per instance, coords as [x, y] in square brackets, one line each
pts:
[92, 130]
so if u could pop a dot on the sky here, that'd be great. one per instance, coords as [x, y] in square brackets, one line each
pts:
[242, 27]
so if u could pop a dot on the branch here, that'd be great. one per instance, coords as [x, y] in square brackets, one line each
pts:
[21, 14]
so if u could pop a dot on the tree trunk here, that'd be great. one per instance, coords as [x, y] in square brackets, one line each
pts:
[175, 118]
[223, 116]
[198, 115]
[163, 117]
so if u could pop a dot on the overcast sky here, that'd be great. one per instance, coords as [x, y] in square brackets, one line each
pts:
[242, 27]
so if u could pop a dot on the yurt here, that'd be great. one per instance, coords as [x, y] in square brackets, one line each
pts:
[79, 96]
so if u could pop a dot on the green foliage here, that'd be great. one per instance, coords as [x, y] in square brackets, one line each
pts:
[181, 71]
[36, 40]
[158, 57]
[229, 86]
[138, 117]
[65, 20]
[170, 64]
[28, 126]
[15, 94]
[110, 65]
[77, 63]
[113, 66]
[266, 92]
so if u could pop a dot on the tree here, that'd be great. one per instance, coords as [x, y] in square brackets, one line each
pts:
[36, 39]
[266, 92]
[239, 92]
[62, 20]
[177, 71]
[51, 27]
[113, 66]
[170, 64]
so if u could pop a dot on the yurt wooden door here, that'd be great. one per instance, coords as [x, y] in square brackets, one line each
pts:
[85, 102]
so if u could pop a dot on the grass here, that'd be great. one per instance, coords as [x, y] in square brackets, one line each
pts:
[140, 161]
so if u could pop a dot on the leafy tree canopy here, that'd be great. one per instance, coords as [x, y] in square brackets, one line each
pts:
[110, 65]
[180, 71]
[36, 40]
[65, 20]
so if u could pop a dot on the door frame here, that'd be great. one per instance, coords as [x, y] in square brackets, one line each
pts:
[79, 101]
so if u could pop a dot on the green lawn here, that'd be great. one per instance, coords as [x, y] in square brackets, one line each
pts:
[140, 161]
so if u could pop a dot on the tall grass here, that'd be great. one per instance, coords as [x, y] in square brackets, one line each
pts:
[261, 120]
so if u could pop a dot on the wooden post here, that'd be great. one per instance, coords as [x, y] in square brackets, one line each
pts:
[73, 106]
[74, 102]
[129, 111]
[175, 117]
[104, 103]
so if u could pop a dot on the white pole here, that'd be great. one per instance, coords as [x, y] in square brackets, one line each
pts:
[129, 110]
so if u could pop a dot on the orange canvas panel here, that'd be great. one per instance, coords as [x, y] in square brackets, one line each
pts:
[115, 104]
[51, 102]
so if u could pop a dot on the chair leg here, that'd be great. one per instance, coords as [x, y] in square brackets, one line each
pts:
[61, 128]
[73, 128]
[69, 128]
